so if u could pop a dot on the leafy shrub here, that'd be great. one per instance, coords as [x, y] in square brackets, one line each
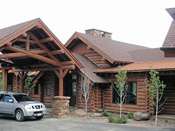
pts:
[117, 119]
[105, 113]
[166, 121]
[130, 115]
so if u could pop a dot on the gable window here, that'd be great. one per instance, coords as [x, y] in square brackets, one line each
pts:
[48, 89]
[130, 90]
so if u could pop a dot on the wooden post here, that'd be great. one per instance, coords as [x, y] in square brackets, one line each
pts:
[60, 82]
[61, 76]
[4, 78]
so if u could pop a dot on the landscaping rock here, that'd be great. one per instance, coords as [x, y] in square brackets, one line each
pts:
[96, 114]
[139, 116]
[79, 112]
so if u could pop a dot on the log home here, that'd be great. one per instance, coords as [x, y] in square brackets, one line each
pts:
[31, 46]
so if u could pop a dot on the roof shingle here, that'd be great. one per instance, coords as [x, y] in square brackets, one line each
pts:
[10, 30]
[118, 51]
[88, 68]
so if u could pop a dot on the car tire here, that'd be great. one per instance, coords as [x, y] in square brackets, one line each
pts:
[19, 115]
[38, 117]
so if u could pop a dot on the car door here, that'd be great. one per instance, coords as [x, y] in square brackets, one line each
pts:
[8, 104]
[1, 102]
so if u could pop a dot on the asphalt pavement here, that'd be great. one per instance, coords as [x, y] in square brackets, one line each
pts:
[53, 124]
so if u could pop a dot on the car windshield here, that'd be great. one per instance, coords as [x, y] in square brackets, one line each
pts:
[21, 97]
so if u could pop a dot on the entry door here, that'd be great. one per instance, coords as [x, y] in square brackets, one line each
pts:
[70, 85]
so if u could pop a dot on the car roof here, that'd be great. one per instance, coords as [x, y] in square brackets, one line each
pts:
[12, 93]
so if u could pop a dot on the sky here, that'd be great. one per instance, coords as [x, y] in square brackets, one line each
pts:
[140, 22]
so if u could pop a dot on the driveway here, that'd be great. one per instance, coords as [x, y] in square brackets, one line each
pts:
[53, 124]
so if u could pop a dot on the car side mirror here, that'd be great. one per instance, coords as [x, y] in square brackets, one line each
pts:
[10, 100]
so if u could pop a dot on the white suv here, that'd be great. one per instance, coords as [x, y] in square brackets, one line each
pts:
[20, 105]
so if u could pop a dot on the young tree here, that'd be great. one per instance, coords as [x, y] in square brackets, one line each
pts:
[85, 85]
[1, 82]
[155, 89]
[120, 87]
[28, 84]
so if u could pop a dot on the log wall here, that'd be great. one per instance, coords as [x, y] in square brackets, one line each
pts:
[94, 103]
[142, 101]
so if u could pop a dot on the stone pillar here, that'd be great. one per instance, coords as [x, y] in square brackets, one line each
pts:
[60, 106]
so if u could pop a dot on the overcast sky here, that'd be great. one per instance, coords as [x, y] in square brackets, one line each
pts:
[141, 22]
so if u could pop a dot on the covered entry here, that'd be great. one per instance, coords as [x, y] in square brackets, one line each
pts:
[31, 46]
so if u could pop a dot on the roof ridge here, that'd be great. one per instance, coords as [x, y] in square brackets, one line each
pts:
[114, 40]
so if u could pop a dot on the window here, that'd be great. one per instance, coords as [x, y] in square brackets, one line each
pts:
[1, 97]
[7, 98]
[36, 89]
[48, 89]
[131, 93]
[74, 84]
[20, 98]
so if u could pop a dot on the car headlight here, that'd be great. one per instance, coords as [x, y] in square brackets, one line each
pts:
[27, 107]
[43, 106]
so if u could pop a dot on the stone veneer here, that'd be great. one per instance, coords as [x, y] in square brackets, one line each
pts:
[60, 106]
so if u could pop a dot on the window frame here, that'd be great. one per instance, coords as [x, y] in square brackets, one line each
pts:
[48, 93]
[113, 90]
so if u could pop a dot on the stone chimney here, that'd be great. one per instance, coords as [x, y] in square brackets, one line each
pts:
[99, 33]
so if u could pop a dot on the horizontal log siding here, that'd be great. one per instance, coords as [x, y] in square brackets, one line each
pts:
[36, 97]
[94, 103]
[142, 99]
[17, 84]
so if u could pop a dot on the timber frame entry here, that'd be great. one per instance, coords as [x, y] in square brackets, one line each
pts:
[33, 47]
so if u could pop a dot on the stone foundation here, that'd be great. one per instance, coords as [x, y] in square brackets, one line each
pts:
[60, 106]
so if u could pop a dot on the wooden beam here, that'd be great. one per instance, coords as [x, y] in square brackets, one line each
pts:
[35, 79]
[24, 40]
[64, 73]
[14, 55]
[43, 47]
[18, 38]
[89, 47]
[57, 74]
[46, 40]
[70, 67]
[24, 34]
[4, 79]
[39, 57]
[28, 43]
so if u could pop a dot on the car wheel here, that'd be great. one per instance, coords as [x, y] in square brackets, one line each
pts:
[19, 115]
[38, 117]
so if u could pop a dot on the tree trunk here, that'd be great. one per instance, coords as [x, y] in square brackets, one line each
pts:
[86, 107]
[120, 103]
[157, 106]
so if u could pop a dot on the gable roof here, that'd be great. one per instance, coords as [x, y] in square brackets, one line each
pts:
[169, 41]
[110, 49]
[12, 29]
[12, 33]
[88, 68]
[141, 67]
